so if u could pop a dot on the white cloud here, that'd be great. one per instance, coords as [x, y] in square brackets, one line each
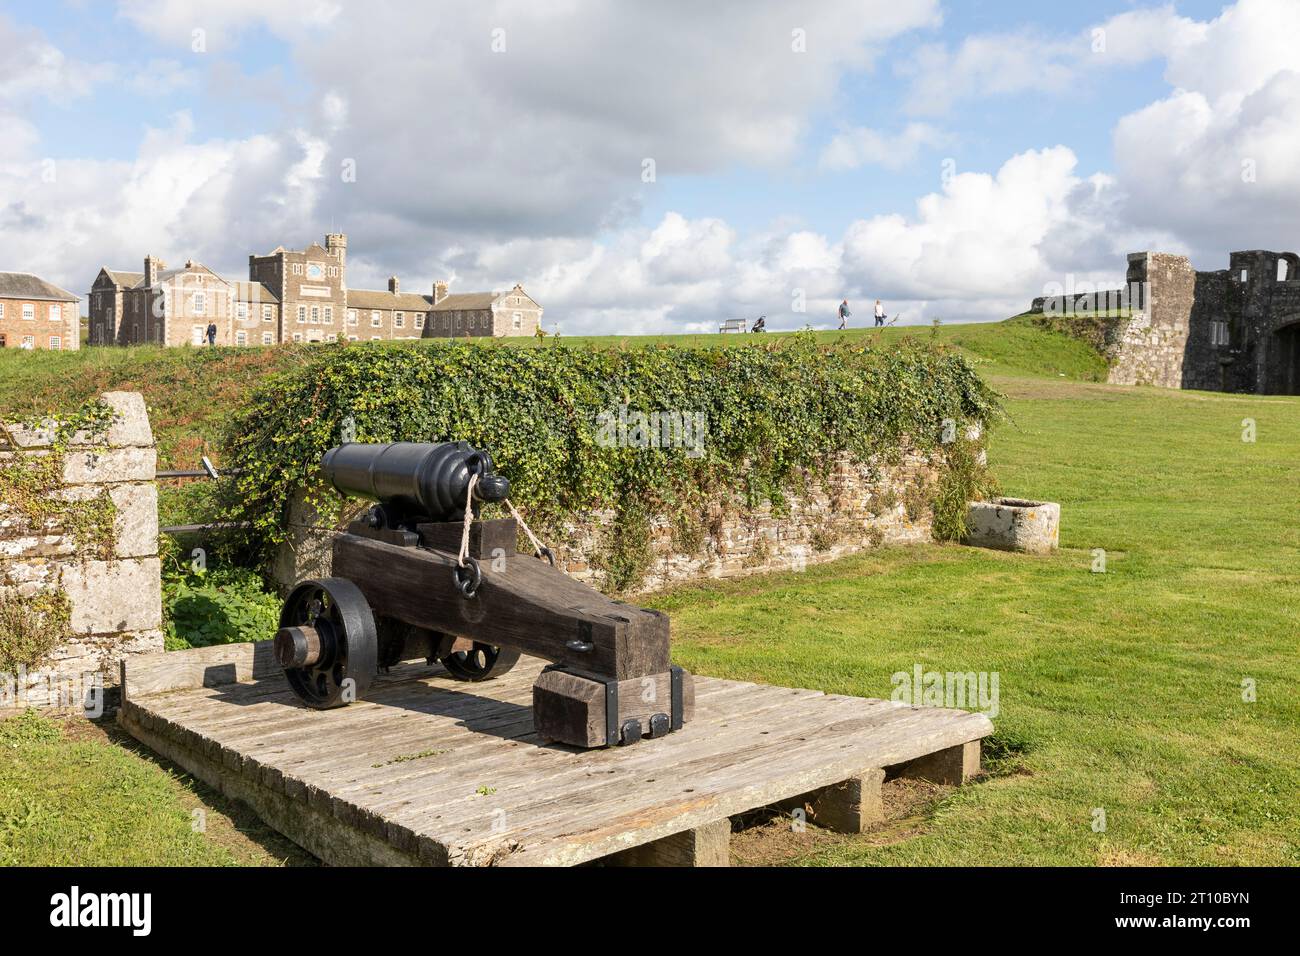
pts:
[222, 21]
[860, 146]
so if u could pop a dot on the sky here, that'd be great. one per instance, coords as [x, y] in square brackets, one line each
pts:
[656, 167]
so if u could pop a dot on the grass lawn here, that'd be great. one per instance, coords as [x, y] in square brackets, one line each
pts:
[1120, 690]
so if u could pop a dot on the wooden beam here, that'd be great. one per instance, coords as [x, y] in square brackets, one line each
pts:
[852, 806]
[707, 845]
[951, 766]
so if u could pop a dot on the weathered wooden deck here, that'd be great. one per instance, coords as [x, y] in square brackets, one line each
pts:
[427, 770]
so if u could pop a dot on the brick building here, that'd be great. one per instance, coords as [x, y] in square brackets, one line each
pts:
[291, 296]
[35, 314]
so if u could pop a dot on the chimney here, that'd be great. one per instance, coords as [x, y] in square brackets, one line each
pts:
[152, 266]
[392, 285]
[439, 292]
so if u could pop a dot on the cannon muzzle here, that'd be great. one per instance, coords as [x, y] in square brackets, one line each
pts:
[418, 478]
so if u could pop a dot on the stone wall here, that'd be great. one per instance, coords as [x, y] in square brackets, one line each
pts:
[859, 507]
[1150, 346]
[115, 598]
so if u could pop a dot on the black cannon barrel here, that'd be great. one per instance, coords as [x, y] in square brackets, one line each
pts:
[423, 477]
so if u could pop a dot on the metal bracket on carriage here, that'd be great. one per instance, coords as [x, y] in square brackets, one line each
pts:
[423, 576]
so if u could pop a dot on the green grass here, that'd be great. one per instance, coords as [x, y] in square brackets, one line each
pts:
[83, 801]
[1119, 690]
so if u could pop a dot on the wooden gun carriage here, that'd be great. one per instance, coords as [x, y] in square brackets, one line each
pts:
[421, 575]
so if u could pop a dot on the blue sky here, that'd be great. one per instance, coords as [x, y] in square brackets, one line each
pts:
[525, 166]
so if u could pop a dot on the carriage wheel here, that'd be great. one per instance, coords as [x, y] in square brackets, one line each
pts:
[480, 662]
[327, 643]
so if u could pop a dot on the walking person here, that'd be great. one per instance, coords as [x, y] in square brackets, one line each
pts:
[212, 333]
[880, 314]
[844, 313]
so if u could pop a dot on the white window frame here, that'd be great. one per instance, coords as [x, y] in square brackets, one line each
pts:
[1219, 333]
[352, 316]
[29, 312]
[199, 304]
[375, 321]
[331, 337]
[55, 312]
[297, 268]
[241, 311]
[302, 315]
[329, 315]
[56, 342]
[297, 336]
[399, 320]
[419, 320]
[518, 320]
[28, 342]
[268, 313]
[241, 337]
[315, 315]
[268, 338]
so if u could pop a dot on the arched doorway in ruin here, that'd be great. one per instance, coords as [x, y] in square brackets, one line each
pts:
[1285, 372]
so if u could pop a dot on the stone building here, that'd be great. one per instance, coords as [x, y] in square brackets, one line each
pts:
[291, 296]
[1231, 330]
[35, 314]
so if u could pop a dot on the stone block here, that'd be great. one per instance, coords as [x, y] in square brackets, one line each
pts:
[99, 466]
[135, 526]
[113, 596]
[1015, 524]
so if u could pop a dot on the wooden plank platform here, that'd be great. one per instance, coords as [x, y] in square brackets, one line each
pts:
[430, 771]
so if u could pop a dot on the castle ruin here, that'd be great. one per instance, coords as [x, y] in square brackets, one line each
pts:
[1233, 330]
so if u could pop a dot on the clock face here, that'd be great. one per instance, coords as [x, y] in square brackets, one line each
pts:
[314, 271]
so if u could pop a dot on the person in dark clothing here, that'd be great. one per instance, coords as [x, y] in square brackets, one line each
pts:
[844, 313]
[212, 333]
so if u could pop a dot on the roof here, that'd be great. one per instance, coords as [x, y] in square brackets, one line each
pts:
[466, 301]
[128, 280]
[379, 299]
[253, 292]
[24, 285]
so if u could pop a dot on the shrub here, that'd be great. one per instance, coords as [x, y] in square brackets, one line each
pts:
[773, 413]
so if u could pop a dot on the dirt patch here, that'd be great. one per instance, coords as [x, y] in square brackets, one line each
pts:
[769, 838]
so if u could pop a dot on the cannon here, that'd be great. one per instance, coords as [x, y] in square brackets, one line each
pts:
[423, 576]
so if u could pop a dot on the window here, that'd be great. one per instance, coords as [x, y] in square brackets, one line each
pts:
[518, 320]
[329, 315]
[56, 342]
[56, 313]
[268, 338]
[241, 337]
[302, 314]
[399, 320]
[419, 320]
[352, 338]
[268, 313]
[374, 320]
[241, 311]
[28, 342]
[1218, 332]
[352, 316]
[297, 336]
[334, 272]
[331, 337]
[1245, 274]
[297, 268]
[29, 312]
[315, 315]
[2, 310]
[200, 304]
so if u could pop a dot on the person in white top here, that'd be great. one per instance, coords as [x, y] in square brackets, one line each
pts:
[880, 314]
